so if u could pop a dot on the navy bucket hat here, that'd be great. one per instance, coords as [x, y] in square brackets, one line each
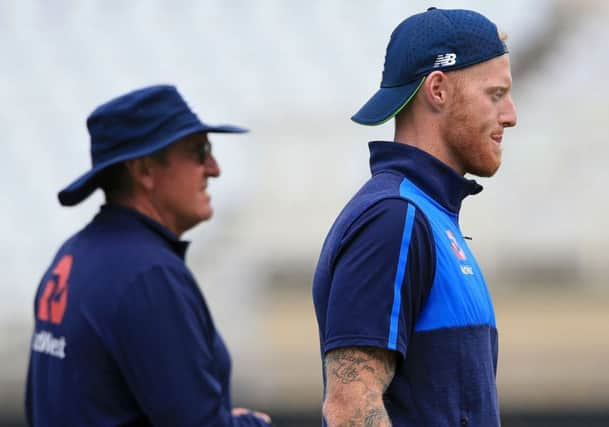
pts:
[438, 39]
[135, 125]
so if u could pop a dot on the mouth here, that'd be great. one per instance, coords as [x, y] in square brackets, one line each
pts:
[205, 197]
[497, 137]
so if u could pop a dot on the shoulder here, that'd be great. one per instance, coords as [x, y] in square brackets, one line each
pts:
[390, 220]
[112, 266]
[124, 250]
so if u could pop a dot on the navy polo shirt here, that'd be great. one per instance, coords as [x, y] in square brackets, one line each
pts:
[395, 273]
[123, 336]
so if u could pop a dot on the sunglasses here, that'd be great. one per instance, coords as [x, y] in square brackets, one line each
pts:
[201, 151]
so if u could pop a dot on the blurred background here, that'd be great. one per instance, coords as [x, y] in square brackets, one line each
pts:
[294, 72]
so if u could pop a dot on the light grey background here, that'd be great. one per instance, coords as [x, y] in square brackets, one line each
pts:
[294, 72]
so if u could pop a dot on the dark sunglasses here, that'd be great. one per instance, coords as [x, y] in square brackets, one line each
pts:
[201, 151]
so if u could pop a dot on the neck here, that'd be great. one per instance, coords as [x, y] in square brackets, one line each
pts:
[425, 133]
[146, 206]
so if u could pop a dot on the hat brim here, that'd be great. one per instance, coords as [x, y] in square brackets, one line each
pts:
[386, 103]
[84, 185]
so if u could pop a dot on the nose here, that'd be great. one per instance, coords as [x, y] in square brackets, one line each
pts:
[211, 166]
[508, 117]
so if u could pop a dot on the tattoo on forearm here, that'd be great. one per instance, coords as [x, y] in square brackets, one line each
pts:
[376, 418]
[372, 418]
[347, 364]
[370, 371]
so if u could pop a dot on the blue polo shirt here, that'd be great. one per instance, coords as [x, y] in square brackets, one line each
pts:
[123, 335]
[396, 273]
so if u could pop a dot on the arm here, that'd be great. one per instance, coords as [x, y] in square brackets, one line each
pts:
[170, 356]
[366, 315]
[356, 378]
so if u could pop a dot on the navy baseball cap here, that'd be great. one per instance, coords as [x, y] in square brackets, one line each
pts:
[438, 39]
[134, 125]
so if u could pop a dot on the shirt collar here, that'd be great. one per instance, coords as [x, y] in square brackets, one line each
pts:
[130, 214]
[428, 173]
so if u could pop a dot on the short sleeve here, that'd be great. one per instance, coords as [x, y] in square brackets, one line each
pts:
[382, 275]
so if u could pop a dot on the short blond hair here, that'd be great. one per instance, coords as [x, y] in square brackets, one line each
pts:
[503, 35]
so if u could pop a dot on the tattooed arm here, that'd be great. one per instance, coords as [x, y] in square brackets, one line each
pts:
[356, 378]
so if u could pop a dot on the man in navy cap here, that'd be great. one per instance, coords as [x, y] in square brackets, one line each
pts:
[406, 324]
[123, 335]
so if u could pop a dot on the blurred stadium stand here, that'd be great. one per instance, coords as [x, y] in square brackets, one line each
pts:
[294, 74]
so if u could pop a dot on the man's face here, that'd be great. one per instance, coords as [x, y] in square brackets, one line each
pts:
[180, 192]
[481, 108]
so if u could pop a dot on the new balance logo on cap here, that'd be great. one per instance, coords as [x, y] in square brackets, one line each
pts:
[445, 60]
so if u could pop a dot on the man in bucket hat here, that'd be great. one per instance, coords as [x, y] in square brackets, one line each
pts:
[123, 335]
[406, 323]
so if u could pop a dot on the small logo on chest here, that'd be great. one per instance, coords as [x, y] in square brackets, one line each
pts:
[459, 253]
[467, 270]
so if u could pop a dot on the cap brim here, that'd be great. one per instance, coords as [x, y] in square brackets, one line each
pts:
[83, 186]
[223, 129]
[386, 103]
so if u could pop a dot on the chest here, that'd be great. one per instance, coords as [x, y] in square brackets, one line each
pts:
[459, 295]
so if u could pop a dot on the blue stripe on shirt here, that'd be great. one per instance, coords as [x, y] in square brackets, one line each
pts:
[399, 276]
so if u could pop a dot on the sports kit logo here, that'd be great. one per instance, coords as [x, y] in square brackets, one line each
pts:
[51, 308]
[459, 253]
[445, 60]
[45, 342]
[54, 299]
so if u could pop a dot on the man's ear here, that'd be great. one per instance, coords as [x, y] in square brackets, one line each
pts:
[436, 90]
[140, 170]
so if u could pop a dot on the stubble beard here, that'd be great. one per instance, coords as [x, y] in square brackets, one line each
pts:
[469, 144]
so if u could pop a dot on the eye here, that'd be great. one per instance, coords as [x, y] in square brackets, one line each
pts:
[497, 94]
